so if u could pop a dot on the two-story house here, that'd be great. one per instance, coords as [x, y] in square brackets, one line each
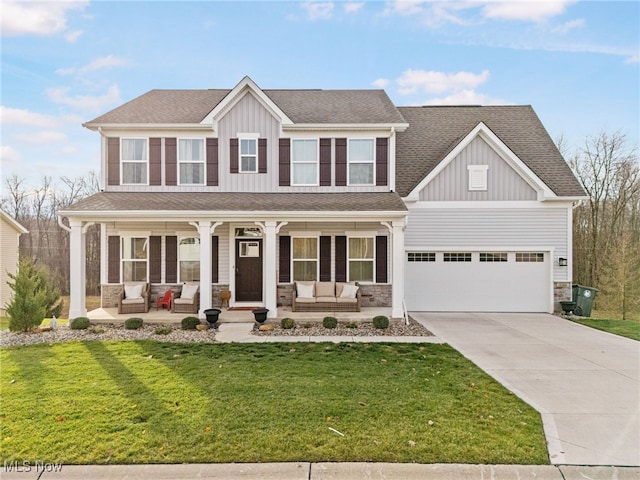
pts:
[251, 190]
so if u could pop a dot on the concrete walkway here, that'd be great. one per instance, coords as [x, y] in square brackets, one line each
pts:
[585, 383]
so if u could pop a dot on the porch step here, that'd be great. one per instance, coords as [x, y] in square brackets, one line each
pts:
[235, 327]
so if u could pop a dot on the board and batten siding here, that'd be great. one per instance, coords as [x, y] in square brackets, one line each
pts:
[503, 182]
[475, 228]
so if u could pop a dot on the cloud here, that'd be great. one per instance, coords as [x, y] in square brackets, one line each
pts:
[99, 63]
[45, 137]
[36, 18]
[412, 81]
[380, 82]
[9, 156]
[18, 116]
[85, 102]
[537, 11]
[466, 97]
[318, 10]
[71, 37]
[353, 7]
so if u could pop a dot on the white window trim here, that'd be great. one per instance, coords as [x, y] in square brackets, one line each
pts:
[180, 238]
[122, 161]
[247, 136]
[317, 259]
[372, 260]
[133, 260]
[350, 162]
[477, 181]
[203, 161]
[316, 162]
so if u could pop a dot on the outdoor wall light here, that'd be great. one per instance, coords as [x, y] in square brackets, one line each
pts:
[562, 262]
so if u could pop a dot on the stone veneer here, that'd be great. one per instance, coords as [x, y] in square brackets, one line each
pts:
[111, 293]
[561, 291]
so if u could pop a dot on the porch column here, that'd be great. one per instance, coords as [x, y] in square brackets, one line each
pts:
[397, 268]
[77, 270]
[271, 282]
[204, 229]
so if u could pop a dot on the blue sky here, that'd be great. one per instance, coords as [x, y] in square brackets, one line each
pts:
[64, 63]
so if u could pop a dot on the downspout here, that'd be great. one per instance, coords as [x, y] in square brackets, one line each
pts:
[62, 225]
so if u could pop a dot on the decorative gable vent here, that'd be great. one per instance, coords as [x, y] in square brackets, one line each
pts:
[478, 177]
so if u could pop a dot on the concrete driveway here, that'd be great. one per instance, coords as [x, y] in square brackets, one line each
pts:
[585, 383]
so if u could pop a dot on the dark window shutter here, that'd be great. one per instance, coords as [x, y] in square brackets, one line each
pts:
[155, 161]
[212, 162]
[325, 259]
[341, 162]
[233, 155]
[341, 259]
[214, 260]
[155, 259]
[171, 260]
[262, 155]
[113, 268]
[113, 161]
[381, 259]
[284, 162]
[382, 161]
[170, 162]
[285, 259]
[325, 162]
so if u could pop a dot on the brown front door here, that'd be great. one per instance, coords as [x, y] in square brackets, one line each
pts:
[249, 270]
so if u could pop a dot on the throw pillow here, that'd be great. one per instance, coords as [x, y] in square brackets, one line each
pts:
[349, 291]
[132, 292]
[304, 290]
[188, 291]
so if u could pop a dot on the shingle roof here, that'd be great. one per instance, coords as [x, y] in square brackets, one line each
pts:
[434, 131]
[239, 202]
[301, 106]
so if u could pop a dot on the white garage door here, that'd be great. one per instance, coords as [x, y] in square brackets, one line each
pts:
[465, 281]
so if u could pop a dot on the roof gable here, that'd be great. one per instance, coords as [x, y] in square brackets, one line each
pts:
[12, 223]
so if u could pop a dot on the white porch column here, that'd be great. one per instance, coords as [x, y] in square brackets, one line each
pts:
[271, 282]
[204, 229]
[77, 270]
[397, 269]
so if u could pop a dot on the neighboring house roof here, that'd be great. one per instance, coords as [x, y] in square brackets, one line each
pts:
[238, 202]
[301, 106]
[14, 223]
[434, 131]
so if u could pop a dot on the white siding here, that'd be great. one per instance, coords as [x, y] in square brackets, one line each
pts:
[9, 239]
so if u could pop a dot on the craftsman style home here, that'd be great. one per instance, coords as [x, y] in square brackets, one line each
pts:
[266, 193]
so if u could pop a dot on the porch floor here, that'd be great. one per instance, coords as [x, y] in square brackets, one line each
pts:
[153, 316]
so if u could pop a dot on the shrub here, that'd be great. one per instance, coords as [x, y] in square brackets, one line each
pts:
[163, 331]
[133, 323]
[96, 330]
[381, 322]
[79, 323]
[287, 323]
[189, 323]
[352, 325]
[329, 322]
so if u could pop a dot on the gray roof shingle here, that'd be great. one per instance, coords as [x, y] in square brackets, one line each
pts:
[434, 131]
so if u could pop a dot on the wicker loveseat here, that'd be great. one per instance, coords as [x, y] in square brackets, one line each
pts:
[134, 298]
[189, 299]
[325, 297]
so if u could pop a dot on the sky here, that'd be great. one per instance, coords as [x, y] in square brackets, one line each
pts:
[65, 63]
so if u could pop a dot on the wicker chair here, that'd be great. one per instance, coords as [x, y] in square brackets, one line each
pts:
[136, 304]
[188, 304]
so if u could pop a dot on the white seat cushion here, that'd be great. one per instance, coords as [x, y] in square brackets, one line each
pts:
[132, 301]
[326, 299]
[305, 300]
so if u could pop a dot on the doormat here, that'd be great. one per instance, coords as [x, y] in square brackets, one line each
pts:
[238, 309]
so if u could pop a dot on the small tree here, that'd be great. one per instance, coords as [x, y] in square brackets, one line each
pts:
[34, 298]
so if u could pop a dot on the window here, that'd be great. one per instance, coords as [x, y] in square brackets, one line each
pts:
[134, 259]
[191, 161]
[304, 162]
[134, 157]
[189, 259]
[478, 177]
[529, 257]
[305, 258]
[360, 259]
[361, 157]
[457, 257]
[421, 257]
[248, 155]
[493, 257]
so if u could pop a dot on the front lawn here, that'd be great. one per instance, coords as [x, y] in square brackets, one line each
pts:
[152, 402]
[624, 328]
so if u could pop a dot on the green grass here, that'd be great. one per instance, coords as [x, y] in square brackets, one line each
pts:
[624, 328]
[152, 402]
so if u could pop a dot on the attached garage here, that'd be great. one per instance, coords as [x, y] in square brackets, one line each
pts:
[479, 281]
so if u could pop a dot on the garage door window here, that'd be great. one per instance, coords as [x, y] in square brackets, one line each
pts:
[493, 257]
[457, 257]
[535, 257]
[421, 257]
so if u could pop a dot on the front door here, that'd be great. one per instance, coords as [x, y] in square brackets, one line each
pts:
[249, 270]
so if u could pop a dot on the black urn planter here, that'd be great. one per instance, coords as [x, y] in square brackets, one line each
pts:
[260, 314]
[212, 315]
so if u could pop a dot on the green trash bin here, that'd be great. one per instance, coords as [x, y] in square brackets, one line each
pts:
[583, 296]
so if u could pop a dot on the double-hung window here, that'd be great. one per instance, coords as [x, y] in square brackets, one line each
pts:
[362, 161]
[305, 258]
[191, 161]
[248, 155]
[304, 162]
[189, 259]
[134, 259]
[360, 259]
[134, 156]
